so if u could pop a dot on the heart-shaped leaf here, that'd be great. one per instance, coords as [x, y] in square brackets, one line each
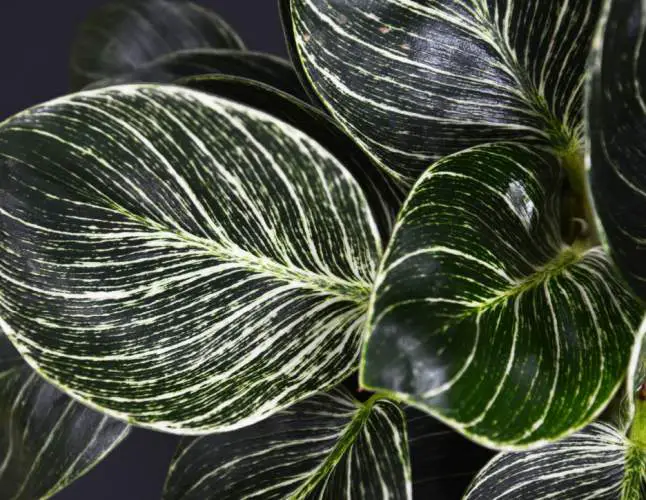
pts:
[384, 197]
[123, 35]
[616, 121]
[328, 446]
[589, 464]
[483, 316]
[179, 260]
[415, 80]
[47, 440]
[257, 66]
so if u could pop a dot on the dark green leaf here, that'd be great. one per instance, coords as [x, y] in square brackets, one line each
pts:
[415, 80]
[384, 198]
[126, 34]
[484, 317]
[47, 440]
[588, 464]
[443, 462]
[264, 68]
[616, 121]
[180, 260]
[327, 447]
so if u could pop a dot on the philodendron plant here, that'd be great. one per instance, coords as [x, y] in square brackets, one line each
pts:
[447, 196]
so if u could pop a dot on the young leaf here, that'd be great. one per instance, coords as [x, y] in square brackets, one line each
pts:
[47, 440]
[328, 446]
[484, 317]
[257, 66]
[126, 34]
[588, 464]
[384, 197]
[616, 114]
[416, 80]
[179, 260]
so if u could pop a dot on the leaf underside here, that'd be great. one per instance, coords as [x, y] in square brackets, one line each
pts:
[616, 122]
[47, 440]
[415, 80]
[327, 447]
[178, 260]
[483, 317]
[123, 35]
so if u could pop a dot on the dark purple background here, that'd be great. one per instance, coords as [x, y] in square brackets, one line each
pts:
[35, 39]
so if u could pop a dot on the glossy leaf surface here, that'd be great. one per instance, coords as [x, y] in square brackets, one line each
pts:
[327, 447]
[123, 35]
[415, 80]
[482, 316]
[616, 121]
[47, 440]
[179, 260]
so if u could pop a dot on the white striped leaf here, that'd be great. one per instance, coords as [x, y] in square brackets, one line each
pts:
[384, 197]
[616, 118]
[415, 80]
[327, 447]
[180, 260]
[484, 317]
[265, 68]
[123, 35]
[47, 440]
[597, 462]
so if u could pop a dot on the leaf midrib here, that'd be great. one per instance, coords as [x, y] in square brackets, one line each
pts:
[354, 291]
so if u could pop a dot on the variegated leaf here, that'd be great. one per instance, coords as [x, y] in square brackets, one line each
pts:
[179, 260]
[589, 464]
[123, 35]
[47, 440]
[328, 446]
[384, 197]
[415, 80]
[265, 68]
[616, 122]
[484, 317]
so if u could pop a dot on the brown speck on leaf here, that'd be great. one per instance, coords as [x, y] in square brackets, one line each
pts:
[384, 29]
[306, 37]
[641, 393]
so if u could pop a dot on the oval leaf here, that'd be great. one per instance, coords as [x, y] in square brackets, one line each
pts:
[328, 446]
[589, 464]
[384, 197]
[616, 117]
[482, 316]
[415, 80]
[179, 260]
[123, 35]
[257, 66]
[47, 440]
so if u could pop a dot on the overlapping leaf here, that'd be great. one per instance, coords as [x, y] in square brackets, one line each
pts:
[484, 317]
[265, 68]
[384, 197]
[328, 446]
[415, 80]
[616, 121]
[47, 440]
[126, 34]
[180, 260]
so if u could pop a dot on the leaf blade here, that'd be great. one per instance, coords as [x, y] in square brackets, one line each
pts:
[165, 253]
[476, 271]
